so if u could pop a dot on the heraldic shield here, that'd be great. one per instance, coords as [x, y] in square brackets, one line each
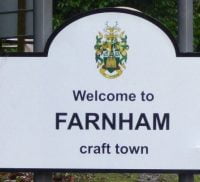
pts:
[111, 51]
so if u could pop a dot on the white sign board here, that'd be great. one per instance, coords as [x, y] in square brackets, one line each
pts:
[113, 93]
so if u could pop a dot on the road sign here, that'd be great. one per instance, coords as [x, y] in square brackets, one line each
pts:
[110, 92]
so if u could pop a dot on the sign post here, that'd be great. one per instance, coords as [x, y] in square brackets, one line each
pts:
[42, 177]
[43, 12]
[185, 40]
[185, 25]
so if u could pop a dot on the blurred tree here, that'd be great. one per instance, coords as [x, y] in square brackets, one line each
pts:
[164, 11]
[64, 9]
[197, 25]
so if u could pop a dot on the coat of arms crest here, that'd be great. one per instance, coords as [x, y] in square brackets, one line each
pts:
[111, 51]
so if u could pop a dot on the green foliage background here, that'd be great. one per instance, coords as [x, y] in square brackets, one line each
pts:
[164, 11]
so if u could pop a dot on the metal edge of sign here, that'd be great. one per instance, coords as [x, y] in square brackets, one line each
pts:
[97, 11]
[69, 170]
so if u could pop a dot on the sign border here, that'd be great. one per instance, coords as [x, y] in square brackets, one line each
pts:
[45, 54]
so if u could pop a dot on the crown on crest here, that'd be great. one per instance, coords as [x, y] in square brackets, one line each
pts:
[112, 32]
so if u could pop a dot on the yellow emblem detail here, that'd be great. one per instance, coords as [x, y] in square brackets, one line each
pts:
[111, 51]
